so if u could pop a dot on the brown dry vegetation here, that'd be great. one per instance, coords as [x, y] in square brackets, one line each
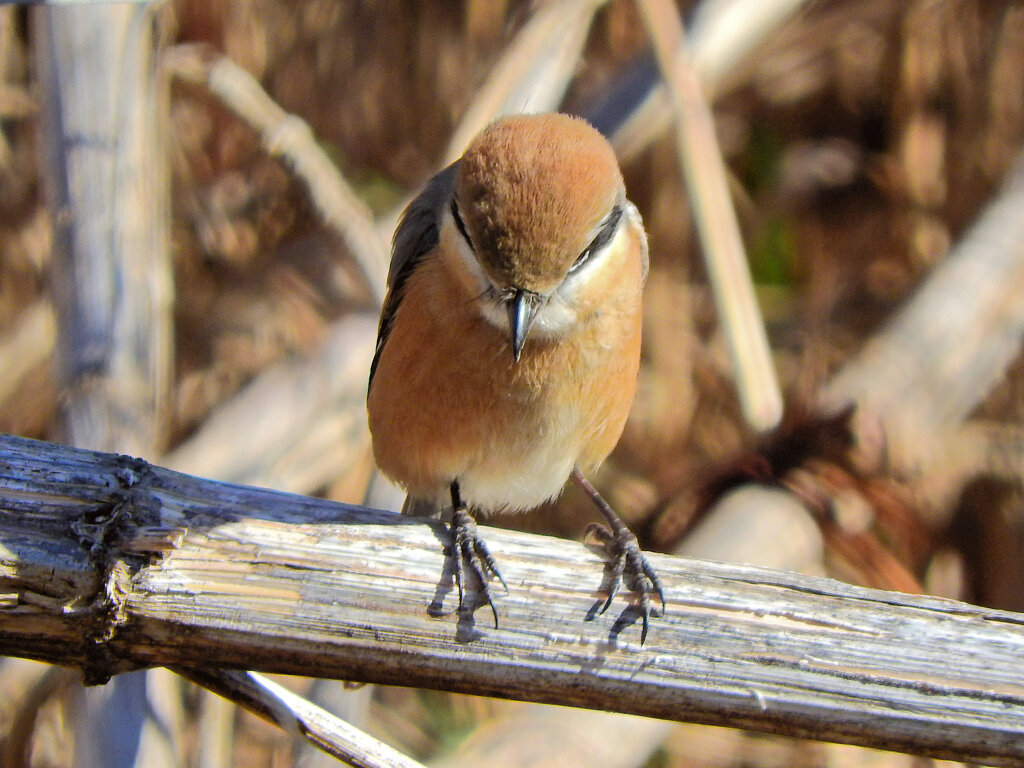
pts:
[863, 139]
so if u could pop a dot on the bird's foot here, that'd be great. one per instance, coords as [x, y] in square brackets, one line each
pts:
[470, 553]
[626, 562]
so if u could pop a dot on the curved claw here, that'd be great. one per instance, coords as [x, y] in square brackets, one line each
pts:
[470, 553]
[627, 563]
[607, 603]
[626, 559]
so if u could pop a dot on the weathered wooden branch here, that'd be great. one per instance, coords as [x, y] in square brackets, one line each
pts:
[110, 564]
[755, 524]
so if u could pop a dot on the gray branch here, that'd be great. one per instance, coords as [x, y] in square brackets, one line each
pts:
[111, 564]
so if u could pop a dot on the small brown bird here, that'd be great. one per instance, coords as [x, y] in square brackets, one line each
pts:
[509, 340]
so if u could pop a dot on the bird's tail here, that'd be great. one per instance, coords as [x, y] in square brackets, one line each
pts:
[421, 507]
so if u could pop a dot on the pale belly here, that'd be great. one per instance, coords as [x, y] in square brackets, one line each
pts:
[502, 431]
[522, 472]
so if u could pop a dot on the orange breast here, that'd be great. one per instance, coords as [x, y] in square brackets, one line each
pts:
[449, 402]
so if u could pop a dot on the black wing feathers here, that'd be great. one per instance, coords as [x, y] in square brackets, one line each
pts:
[415, 236]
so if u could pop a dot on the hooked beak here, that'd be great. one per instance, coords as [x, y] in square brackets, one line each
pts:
[522, 309]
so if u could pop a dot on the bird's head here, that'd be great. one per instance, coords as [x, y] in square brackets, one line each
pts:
[538, 205]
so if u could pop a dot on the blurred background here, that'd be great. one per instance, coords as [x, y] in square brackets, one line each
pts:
[863, 140]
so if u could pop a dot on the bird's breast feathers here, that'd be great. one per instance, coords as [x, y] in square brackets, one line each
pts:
[510, 432]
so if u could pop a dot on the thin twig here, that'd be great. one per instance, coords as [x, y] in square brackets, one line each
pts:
[290, 138]
[724, 255]
[294, 714]
[722, 34]
[16, 748]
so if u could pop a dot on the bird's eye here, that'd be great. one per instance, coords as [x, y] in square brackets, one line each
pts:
[461, 225]
[603, 237]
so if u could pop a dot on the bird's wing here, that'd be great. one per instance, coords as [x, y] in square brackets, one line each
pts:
[415, 236]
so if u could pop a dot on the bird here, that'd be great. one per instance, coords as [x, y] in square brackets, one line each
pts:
[509, 339]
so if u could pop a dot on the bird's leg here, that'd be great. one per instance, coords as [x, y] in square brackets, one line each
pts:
[469, 552]
[627, 559]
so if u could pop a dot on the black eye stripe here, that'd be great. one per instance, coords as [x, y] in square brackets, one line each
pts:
[461, 225]
[607, 231]
[603, 237]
